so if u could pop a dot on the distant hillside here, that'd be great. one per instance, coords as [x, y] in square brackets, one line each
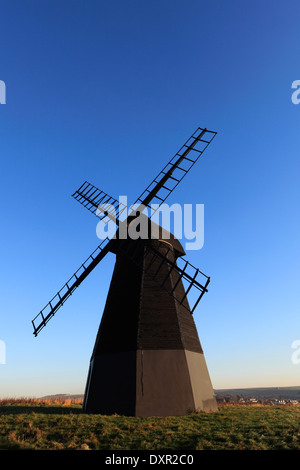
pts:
[62, 396]
[279, 393]
[270, 393]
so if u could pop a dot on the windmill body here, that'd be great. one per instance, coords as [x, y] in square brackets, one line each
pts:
[147, 358]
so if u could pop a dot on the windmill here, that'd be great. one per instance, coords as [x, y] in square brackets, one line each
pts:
[147, 358]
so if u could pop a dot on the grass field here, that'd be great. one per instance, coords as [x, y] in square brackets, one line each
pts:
[53, 425]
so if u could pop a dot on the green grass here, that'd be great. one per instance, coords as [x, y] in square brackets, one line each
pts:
[53, 426]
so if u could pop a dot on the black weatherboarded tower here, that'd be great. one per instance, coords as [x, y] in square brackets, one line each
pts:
[147, 359]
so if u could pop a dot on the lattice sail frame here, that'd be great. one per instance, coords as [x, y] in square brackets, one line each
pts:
[175, 170]
[42, 318]
[98, 202]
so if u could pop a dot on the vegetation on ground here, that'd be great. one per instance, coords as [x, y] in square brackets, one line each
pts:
[60, 424]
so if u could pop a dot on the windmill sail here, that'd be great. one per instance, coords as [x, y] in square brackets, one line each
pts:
[176, 169]
[98, 202]
[41, 320]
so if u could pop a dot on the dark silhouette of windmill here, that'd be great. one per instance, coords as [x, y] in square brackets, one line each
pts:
[147, 359]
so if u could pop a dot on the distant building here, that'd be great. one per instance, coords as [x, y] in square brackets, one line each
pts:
[252, 400]
[279, 402]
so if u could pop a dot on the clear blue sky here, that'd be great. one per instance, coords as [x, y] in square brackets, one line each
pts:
[108, 91]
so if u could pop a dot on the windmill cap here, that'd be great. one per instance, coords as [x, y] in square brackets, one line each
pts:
[156, 233]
